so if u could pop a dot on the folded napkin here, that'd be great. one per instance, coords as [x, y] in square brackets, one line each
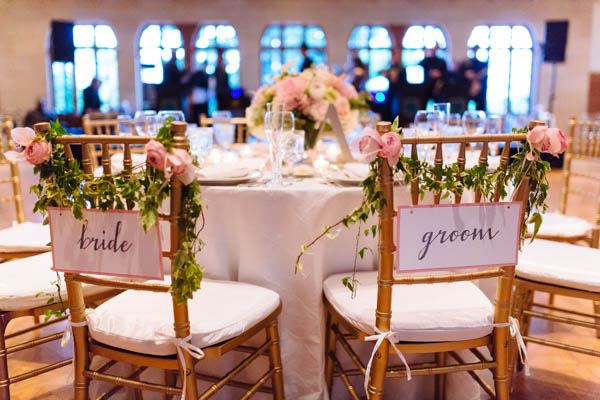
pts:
[356, 170]
[222, 171]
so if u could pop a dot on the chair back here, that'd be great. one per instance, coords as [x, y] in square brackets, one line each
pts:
[74, 281]
[6, 144]
[241, 131]
[581, 168]
[387, 247]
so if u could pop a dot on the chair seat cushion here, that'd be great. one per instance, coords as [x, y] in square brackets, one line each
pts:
[24, 279]
[420, 313]
[562, 264]
[28, 236]
[563, 226]
[220, 310]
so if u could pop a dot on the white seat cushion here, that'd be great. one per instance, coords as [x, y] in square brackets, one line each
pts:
[420, 313]
[220, 310]
[562, 264]
[563, 226]
[23, 279]
[28, 236]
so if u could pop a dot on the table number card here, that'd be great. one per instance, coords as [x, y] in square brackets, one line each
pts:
[107, 243]
[452, 236]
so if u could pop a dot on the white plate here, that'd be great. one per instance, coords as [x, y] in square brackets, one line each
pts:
[251, 177]
[341, 178]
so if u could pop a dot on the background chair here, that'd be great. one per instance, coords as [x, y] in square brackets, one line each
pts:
[224, 315]
[384, 303]
[241, 126]
[24, 238]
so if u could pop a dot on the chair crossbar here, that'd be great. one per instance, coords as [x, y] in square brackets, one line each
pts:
[35, 327]
[140, 385]
[236, 370]
[33, 343]
[349, 350]
[442, 370]
[563, 320]
[233, 383]
[565, 310]
[355, 371]
[257, 386]
[428, 279]
[504, 137]
[479, 354]
[96, 139]
[484, 385]
[134, 375]
[342, 374]
[8, 180]
[558, 345]
[39, 371]
[118, 284]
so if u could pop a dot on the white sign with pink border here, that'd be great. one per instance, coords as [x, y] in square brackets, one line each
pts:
[112, 243]
[452, 236]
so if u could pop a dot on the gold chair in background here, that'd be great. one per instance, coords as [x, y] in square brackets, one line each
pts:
[390, 300]
[224, 315]
[241, 131]
[24, 238]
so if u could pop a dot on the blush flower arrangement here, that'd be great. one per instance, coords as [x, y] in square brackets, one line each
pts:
[308, 95]
[62, 183]
[447, 180]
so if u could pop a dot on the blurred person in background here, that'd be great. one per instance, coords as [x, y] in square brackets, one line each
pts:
[359, 74]
[196, 87]
[396, 76]
[473, 75]
[222, 82]
[436, 74]
[38, 114]
[91, 98]
[171, 89]
[307, 61]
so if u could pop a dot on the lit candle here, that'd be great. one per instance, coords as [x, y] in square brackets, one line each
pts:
[214, 156]
[246, 152]
[321, 164]
[333, 152]
[230, 158]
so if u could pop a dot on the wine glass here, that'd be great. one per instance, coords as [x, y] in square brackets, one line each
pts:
[474, 122]
[427, 123]
[294, 151]
[444, 108]
[279, 126]
[201, 140]
[124, 126]
[493, 125]
[165, 114]
[145, 123]
[223, 129]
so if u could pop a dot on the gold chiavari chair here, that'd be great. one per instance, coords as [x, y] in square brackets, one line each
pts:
[387, 301]
[224, 315]
[241, 133]
[25, 238]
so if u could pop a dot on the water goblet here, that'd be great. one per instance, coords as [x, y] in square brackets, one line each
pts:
[224, 130]
[165, 114]
[145, 123]
[493, 125]
[279, 126]
[124, 125]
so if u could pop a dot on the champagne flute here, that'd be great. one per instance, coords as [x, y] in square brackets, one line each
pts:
[474, 122]
[427, 123]
[444, 108]
[493, 125]
[124, 126]
[279, 126]
[224, 130]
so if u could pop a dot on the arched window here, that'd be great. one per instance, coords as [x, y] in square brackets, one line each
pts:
[373, 45]
[508, 50]
[210, 41]
[416, 40]
[159, 44]
[281, 44]
[95, 55]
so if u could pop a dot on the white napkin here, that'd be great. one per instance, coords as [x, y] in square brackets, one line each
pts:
[222, 171]
[116, 161]
[357, 170]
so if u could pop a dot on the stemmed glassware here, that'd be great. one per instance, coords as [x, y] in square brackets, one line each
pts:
[428, 123]
[493, 125]
[294, 151]
[474, 122]
[279, 127]
[165, 114]
[124, 125]
[224, 130]
[444, 108]
[145, 123]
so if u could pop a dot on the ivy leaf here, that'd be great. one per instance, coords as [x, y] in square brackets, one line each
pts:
[536, 220]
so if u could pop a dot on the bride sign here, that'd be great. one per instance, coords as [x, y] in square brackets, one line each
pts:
[451, 236]
[336, 132]
[109, 242]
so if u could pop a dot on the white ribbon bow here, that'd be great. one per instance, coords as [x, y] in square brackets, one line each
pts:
[184, 344]
[379, 337]
[515, 331]
[68, 333]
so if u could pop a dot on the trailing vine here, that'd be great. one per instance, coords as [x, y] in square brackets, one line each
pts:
[448, 180]
[62, 183]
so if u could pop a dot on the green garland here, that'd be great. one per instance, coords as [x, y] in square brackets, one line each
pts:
[62, 183]
[447, 181]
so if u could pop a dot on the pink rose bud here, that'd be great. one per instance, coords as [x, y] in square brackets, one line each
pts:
[156, 154]
[179, 161]
[37, 152]
[391, 147]
[564, 142]
[369, 145]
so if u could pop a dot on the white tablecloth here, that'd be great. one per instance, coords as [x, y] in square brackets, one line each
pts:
[254, 233]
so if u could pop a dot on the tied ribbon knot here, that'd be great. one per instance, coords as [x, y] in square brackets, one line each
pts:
[515, 331]
[68, 332]
[184, 344]
[378, 338]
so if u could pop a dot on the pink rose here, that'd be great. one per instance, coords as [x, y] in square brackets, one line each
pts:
[181, 165]
[391, 146]
[156, 154]
[546, 140]
[369, 145]
[22, 137]
[348, 91]
[37, 151]
[290, 91]
[559, 139]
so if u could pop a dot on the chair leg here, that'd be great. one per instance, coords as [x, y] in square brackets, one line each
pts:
[551, 299]
[378, 369]
[597, 311]
[440, 379]
[519, 300]
[527, 305]
[4, 385]
[330, 342]
[171, 381]
[275, 360]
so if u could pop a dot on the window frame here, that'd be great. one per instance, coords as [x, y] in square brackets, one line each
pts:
[356, 50]
[195, 49]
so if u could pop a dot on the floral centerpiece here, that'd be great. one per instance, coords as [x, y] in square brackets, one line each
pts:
[308, 95]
